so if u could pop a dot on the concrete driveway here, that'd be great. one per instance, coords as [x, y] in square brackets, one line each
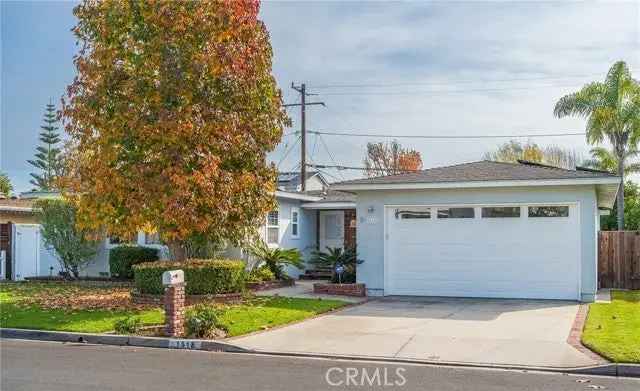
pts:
[486, 331]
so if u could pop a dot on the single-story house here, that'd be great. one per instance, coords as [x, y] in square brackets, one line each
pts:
[482, 229]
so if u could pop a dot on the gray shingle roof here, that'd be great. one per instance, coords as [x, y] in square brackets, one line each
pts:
[483, 171]
[333, 195]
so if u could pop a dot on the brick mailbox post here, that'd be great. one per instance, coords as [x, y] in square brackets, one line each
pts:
[174, 299]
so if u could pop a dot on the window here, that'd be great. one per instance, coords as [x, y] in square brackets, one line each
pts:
[295, 223]
[501, 211]
[413, 214]
[456, 213]
[152, 238]
[548, 211]
[273, 227]
[332, 227]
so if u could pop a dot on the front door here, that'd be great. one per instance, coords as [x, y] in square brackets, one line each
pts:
[331, 229]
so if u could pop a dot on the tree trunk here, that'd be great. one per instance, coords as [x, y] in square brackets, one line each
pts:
[177, 250]
[620, 199]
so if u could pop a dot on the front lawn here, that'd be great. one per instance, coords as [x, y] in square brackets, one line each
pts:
[613, 329]
[69, 307]
[266, 312]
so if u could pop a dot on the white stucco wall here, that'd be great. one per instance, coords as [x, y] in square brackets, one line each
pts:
[306, 241]
[370, 228]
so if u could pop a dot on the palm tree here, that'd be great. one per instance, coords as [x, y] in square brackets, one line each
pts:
[276, 258]
[337, 256]
[612, 110]
[605, 160]
[5, 184]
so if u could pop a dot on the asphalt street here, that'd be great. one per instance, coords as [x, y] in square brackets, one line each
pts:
[52, 366]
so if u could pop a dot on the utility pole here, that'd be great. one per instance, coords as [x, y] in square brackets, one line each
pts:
[302, 89]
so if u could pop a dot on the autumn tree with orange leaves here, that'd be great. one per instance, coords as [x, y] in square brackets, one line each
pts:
[171, 115]
[390, 159]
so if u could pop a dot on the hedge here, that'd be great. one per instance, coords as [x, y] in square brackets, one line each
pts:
[203, 276]
[122, 258]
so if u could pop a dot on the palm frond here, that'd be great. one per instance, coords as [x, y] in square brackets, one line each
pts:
[582, 102]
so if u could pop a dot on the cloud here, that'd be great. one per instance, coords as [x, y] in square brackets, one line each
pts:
[437, 47]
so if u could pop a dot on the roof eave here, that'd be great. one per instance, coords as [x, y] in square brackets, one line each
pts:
[296, 196]
[329, 205]
[475, 184]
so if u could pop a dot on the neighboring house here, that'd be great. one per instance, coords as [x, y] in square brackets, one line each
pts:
[482, 229]
[290, 181]
[25, 254]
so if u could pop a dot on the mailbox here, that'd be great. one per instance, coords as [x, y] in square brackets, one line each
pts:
[172, 277]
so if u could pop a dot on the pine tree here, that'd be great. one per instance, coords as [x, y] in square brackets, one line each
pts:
[47, 157]
[5, 185]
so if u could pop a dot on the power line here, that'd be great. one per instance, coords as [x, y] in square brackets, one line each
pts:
[444, 137]
[376, 85]
[329, 152]
[444, 92]
[302, 89]
[341, 168]
[287, 152]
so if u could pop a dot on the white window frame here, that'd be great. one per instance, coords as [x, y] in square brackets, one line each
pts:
[271, 226]
[295, 222]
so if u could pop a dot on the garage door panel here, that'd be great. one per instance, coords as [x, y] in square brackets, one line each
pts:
[483, 257]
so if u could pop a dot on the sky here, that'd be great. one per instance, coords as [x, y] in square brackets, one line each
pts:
[393, 68]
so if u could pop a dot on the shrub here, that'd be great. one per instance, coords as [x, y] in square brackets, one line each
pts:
[203, 322]
[334, 257]
[73, 247]
[122, 258]
[260, 274]
[203, 276]
[128, 325]
[276, 259]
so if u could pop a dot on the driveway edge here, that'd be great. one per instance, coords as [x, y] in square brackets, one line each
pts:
[575, 336]
[612, 369]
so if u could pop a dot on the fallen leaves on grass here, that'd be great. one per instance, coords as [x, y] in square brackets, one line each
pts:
[73, 297]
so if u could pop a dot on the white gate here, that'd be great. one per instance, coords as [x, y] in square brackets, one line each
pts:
[27, 251]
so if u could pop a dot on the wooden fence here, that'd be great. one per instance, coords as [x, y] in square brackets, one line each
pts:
[619, 259]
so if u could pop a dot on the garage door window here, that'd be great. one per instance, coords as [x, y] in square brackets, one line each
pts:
[413, 214]
[456, 213]
[501, 211]
[548, 211]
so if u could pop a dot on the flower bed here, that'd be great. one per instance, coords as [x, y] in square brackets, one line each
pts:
[158, 300]
[266, 285]
[340, 289]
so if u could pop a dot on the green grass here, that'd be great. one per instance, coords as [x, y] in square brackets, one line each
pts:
[15, 314]
[255, 314]
[613, 329]
[87, 321]
[263, 313]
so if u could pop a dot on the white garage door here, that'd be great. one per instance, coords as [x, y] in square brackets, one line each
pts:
[513, 251]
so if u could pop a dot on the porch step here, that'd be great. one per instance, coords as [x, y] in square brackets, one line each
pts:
[316, 274]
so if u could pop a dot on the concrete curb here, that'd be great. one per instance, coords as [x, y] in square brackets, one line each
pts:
[622, 370]
[121, 340]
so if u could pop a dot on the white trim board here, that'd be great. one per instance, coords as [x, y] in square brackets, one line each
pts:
[476, 184]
